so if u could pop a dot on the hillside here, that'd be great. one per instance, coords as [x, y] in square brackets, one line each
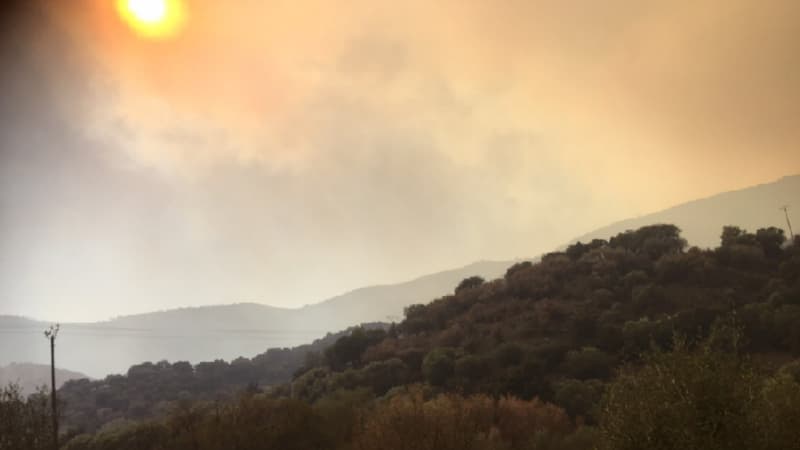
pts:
[229, 331]
[700, 220]
[562, 331]
[386, 303]
[563, 327]
[150, 389]
[373, 303]
[30, 377]
[218, 332]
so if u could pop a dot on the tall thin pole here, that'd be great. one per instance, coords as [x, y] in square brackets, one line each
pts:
[51, 334]
[785, 209]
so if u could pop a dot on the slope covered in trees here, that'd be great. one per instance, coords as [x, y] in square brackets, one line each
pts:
[152, 389]
[558, 330]
[607, 344]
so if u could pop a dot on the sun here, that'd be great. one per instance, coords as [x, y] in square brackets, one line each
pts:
[153, 18]
[148, 11]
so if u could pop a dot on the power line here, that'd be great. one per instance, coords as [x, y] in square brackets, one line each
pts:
[106, 331]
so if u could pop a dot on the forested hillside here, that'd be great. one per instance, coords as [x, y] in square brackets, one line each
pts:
[607, 344]
[152, 389]
[559, 330]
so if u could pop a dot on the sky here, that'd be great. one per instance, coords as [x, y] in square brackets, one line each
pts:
[284, 152]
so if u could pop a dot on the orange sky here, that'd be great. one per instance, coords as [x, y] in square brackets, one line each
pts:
[658, 86]
[689, 87]
[364, 134]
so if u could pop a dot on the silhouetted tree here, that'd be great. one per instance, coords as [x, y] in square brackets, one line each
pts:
[469, 283]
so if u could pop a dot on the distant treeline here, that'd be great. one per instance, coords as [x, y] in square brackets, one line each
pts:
[628, 343]
[152, 389]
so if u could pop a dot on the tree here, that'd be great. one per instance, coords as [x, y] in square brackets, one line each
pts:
[730, 235]
[771, 239]
[652, 241]
[383, 375]
[347, 350]
[679, 400]
[777, 414]
[417, 320]
[517, 267]
[438, 365]
[25, 424]
[579, 398]
[579, 249]
[469, 283]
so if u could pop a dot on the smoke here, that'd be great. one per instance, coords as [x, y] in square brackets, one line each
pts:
[287, 151]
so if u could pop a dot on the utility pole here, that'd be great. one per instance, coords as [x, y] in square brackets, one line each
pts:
[51, 334]
[785, 209]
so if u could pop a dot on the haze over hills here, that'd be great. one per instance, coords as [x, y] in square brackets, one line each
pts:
[701, 220]
[29, 377]
[245, 329]
[225, 331]
[559, 331]
[224, 204]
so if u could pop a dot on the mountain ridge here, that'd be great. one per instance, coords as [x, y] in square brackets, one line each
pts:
[222, 331]
[727, 210]
[29, 376]
[230, 330]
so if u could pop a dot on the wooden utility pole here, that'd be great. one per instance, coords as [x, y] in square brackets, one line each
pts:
[51, 334]
[785, 209]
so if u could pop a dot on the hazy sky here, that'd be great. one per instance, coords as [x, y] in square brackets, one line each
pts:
[287, 151]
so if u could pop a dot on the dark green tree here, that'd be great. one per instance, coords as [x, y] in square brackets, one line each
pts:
[469, 283]
[438, 365]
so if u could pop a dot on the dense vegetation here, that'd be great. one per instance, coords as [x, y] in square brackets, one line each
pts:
[408, 420]
[558, 330]
[153, 389]
[629, 343]
[25, 423]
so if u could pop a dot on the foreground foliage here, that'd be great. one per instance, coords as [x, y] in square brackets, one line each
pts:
[406, 420]
[707, 398]
[25, 423]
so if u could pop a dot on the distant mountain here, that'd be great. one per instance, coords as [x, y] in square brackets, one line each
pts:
[29, 376]
[701, 221]
[369, 304]
[225, 331]
[246, 329]
[386, 303]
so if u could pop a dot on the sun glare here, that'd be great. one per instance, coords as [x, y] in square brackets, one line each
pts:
[153, 18]
[148, 11]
